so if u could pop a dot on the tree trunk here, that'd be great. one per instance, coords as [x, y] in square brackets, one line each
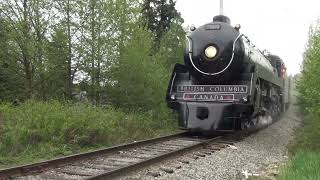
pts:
[28, 76]
[99, 58]
[25, 54]
[98, 68]
[93, 50]
[39, 51]
[69, 83]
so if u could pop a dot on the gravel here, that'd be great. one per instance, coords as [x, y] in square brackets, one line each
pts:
[254, 155]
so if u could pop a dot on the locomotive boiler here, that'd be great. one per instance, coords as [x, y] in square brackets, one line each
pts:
[226, 83]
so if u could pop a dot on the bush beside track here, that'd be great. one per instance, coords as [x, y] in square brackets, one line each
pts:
[118, 60]
[42, 130]
[305, 163]
[305, 152]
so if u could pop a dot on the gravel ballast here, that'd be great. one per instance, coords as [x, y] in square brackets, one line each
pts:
[253, 155]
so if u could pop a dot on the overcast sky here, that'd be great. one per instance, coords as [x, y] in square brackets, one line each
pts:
[280, 26]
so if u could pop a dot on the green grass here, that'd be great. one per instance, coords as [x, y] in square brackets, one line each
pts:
[305, 152]
[305, 165]
[42, 130]
[308, 138]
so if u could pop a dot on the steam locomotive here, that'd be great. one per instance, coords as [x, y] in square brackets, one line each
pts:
[226, 84]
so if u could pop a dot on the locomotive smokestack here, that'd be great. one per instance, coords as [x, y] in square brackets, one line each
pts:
[221, 17]
[221, 7]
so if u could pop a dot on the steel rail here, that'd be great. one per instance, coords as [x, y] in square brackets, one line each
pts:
[44, 165]
[153, 160]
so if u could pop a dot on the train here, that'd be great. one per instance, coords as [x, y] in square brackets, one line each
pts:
[226, 83]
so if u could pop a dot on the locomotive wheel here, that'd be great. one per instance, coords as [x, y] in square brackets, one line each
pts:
[266, 109]
[257, 96]
[275, 108]
[253, 121]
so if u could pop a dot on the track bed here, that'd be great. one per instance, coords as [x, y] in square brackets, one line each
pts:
[117, 161]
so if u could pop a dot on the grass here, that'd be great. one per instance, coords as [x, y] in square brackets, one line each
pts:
[42, 130]
[305, 152]
[305, 165]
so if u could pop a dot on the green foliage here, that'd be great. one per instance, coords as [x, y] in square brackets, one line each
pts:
[309, 83]
[54, 48]
[11, 84]
[306, 147]
[46, 129]
[141, 80]
[305, 165]
[172, 45]
[142, 76]
[158, 16]
[307, 138]
[57, 56]
[305, 162]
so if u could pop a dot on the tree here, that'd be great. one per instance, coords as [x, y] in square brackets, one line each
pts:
[28, 22]
[309, 83]
[40, 15]
[141, 82]
[69, 14]
[50, 49]
[19, 31]
[172, 45]
[158, 16]
[58, 65]
[108, 28]
[11, 86]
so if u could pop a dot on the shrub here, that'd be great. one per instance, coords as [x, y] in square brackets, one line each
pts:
[46, 129]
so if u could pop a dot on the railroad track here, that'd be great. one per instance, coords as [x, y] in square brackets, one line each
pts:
[116, 161]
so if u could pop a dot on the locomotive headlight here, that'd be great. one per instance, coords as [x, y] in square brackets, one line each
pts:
[211, 52]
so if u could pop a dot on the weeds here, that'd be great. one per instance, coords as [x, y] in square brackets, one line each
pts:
[38, 130]
[304, 165]
[305, 152]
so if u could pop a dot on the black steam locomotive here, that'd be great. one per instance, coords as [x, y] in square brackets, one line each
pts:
[226, 84]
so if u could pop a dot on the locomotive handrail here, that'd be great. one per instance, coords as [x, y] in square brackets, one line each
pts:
[212, 74]
[190, 44]
[254, 46]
